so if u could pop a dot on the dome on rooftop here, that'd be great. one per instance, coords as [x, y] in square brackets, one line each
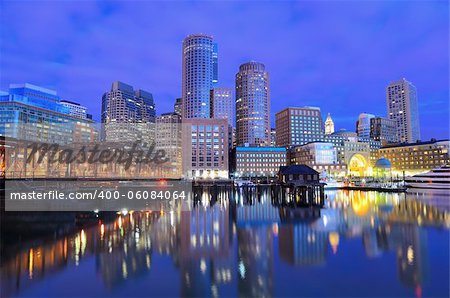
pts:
[383, 163]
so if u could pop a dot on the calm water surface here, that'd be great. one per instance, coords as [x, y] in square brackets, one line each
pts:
[361, 244]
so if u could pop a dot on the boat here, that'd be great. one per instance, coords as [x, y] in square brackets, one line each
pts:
[437, 180]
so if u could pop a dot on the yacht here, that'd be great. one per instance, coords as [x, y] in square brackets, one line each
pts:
[437, 180]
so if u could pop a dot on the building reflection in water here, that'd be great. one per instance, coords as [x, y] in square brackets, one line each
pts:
[224, 246]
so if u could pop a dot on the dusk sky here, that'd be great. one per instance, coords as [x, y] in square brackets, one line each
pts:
[337, 55]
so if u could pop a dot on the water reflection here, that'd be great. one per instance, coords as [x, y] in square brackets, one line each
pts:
[229, 245]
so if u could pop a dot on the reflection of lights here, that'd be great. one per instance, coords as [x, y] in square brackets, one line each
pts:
[148, 261]
[333, 238]
[102, 231]
[410, 255]
[124, 212]
[83, 242]
[241, 268]
[214, 291]
[203, 266]
[120, 222]
[275, 229]
[124, 270]
[30, 264]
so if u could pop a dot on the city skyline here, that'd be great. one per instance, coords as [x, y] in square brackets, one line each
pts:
[328, 79]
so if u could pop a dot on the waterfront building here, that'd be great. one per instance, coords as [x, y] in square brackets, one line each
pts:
[222, 104]
[320, 156]
[168, 138]
[34, 113]
[298, 126]
[329, 125]
[357, 154]
[383, 130]
[257, 161]
[76, 110]
[198, 75]
[127, 114]
[363, 125]
[252, 105]
[178, 106]
[402, 106]
[416, 158]
[205, 148]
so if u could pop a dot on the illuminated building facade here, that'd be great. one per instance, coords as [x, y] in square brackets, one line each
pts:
[127, 114]
[401, 101]
[383, 130]
[76, 110]
[329, 125]
[320, 156]
[198, 75]
[222, 105]
[252, 105]
[34, 113]
[257, 161]
[205, 148]
[363, 125]
[298, 126]
[417, 157]
[168, 138]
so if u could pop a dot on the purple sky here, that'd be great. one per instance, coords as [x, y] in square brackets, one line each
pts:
[338, 55]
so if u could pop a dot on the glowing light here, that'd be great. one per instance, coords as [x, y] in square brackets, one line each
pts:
[333, 238]
[241, 268]
[30, 263]
[410, 255]
[203, 266]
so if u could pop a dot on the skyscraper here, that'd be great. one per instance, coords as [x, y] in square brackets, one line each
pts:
[123, 109]
[222, 104]
[363, 125]
[298, 126]
[252, 105]
[329, 125]
[198, 75]
[401, 100]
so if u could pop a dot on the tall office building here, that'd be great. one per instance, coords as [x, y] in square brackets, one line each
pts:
[383, 130]
[222, 104]
[126, 113]
[198, 75]
[329, 125]
[252, 105]
[363, 125]
[178, 106]
[401, 100]
[298, 126]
